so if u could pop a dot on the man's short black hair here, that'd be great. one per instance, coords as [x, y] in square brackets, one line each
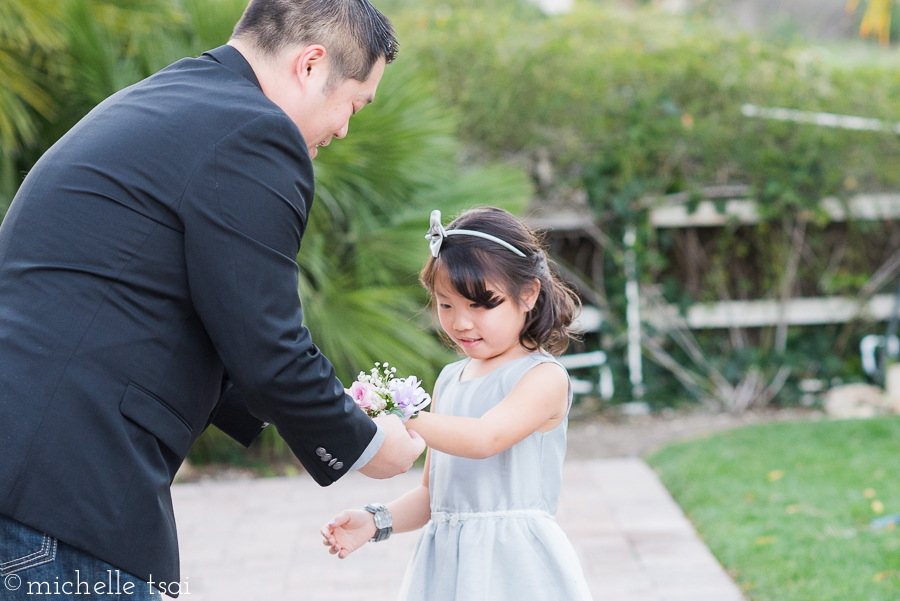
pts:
[355, 34]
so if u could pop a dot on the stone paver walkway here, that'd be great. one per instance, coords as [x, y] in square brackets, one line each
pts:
[257, 540]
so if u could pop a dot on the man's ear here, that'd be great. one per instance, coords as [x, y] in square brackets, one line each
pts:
[311, 67]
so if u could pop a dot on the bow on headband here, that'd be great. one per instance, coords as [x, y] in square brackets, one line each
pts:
[437, 233]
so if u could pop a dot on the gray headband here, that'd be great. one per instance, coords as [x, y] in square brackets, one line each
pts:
[437, 233]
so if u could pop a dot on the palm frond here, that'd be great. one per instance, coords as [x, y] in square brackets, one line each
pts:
[211, 21]
[401, 142]
[27, 23]
[28, 31]
[104, 50]
[19, 96]
[355, 327]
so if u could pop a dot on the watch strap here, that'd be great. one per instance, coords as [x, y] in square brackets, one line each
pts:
[383, 521]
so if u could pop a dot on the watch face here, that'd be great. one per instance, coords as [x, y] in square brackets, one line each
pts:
[382, 520]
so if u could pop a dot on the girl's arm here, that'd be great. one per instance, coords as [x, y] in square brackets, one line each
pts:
[539, 401]
[353, 528]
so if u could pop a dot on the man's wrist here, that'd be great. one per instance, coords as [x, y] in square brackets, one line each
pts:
[371, 450]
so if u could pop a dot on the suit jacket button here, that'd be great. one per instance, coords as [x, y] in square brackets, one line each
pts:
[326, 457]
[320, 451]
[338, 465]
[332, 462]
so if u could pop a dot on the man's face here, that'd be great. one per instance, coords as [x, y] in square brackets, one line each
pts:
[328, 115]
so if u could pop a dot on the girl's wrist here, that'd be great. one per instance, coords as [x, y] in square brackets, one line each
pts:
[371, 528]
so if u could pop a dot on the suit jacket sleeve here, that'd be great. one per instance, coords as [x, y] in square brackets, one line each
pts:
[232, 416]
[244, 212]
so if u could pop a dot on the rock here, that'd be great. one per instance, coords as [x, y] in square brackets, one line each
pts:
[892, 386]
[856, 401]
[635, 408]
[554, 7]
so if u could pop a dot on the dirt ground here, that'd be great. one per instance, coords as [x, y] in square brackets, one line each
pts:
[610, 434]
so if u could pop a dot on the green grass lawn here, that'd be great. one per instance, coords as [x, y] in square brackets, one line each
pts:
[786, 507]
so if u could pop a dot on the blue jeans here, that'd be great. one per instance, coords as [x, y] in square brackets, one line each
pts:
[36, 566]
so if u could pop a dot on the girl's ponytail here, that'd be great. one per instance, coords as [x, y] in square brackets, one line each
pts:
[548, 322]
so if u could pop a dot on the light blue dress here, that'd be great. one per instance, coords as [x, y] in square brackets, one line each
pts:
[492, 534]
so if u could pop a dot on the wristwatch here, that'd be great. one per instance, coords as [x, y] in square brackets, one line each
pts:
[383, 521]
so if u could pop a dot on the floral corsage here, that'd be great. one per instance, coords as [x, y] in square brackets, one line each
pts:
[380, 392]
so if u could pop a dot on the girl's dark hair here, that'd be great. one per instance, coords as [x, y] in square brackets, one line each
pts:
[471, 263]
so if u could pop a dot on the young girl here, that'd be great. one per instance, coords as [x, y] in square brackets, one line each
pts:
[497, 430]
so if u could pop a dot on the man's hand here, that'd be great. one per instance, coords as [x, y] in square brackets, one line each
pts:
[398, 452]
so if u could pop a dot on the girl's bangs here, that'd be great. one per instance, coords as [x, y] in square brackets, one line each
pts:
[468, 276]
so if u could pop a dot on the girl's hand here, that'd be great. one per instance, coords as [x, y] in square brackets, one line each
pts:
[348, 532]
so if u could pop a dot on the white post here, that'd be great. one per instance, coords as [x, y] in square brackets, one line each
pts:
[633, 316]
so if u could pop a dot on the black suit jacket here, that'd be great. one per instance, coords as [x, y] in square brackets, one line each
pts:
[147, 265]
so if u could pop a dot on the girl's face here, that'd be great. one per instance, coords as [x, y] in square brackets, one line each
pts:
[480, 332]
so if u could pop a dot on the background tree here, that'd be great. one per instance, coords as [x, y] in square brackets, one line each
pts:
[375, 189]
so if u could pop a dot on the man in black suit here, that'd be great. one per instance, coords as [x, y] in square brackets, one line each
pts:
[148, 288]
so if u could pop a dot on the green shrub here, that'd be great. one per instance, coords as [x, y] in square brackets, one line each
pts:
[631, 105]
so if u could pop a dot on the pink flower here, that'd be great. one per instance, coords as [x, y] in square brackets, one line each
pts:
[363, 394]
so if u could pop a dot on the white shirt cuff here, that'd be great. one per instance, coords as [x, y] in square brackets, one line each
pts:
[371, 450]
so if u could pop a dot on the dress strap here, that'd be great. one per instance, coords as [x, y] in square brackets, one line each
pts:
[533, 360]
